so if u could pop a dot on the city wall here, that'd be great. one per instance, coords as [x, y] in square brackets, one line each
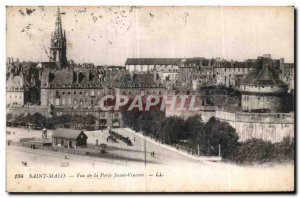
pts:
[267, 126]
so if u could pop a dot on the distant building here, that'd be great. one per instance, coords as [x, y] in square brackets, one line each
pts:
[139, 84]
[15, 90]
[229, 73]
[69, 138]
[22, 84]
[151, 64]
[287, 75]
[197, 70]
[72, 89]
[262, 90]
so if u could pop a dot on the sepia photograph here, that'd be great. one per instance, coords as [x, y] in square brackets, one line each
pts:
[127, 99]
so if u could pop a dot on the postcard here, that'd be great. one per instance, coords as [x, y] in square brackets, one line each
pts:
[150, 99]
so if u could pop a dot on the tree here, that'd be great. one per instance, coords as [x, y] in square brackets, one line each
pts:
[21, 118]
[37, 119]
[89, 120]
[9, 116]
[218, 132]
[255, 150]
[149, 121]
[285, 150]
[130, 119]
[194, 128]
[172, 129]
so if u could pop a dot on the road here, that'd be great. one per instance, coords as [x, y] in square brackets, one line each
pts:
[179, 172]
[117, 153]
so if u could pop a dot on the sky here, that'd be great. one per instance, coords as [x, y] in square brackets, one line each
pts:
[110, 35]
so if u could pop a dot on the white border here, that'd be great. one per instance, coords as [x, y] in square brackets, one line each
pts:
[5, 3]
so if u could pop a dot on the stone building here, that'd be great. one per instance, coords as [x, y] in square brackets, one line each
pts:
[287, 75]
[69, 138]
[22, 84]
[229, 73]
[139, 84]
[15, 91]
[195, 69]
[135, 65]
[262, 90]
[72, 89]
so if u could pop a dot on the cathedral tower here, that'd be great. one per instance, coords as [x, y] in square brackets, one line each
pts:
[58, 49]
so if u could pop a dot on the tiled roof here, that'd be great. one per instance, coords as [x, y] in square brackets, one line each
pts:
[137, 80]
[166, 61]
[263, 75]
[153, 61]
[69, 77]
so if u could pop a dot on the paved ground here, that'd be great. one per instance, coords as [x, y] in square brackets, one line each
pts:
[119, 151]
[180, 173]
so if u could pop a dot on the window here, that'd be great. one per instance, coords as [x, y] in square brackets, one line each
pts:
[74, 92]
[80, 93]
[57, 102]
[69, 93]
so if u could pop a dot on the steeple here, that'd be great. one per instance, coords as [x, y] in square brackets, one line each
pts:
[58, 27]
[58, 49]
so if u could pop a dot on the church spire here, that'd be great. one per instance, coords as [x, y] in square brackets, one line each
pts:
[58, 26]
[58, 49]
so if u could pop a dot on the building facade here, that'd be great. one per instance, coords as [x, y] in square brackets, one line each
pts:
[262, 90]
[69, 138]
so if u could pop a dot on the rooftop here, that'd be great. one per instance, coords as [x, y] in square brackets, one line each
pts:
[263, 75]
[67, 133]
